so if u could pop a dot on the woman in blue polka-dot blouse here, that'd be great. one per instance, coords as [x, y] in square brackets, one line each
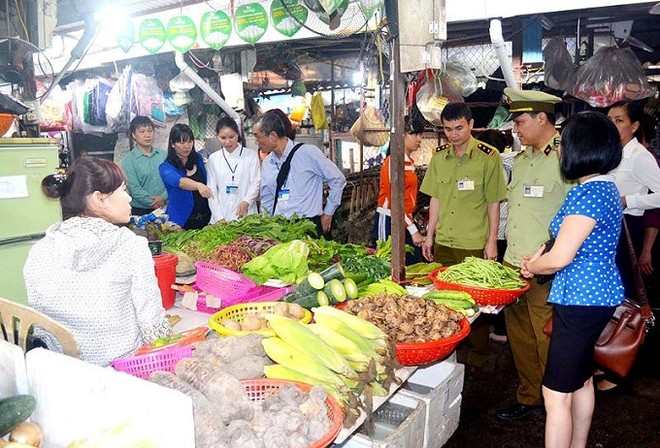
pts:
[587, 286]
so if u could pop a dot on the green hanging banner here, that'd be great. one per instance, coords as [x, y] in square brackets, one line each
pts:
[152, 35]
[251, 22]
[288, 16]
[126, 36]
[215, 29]
[337, 14]
[369, 7]
[181, 33]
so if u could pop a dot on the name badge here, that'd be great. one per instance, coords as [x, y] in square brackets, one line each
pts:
[533, 191]
[283, 195]
[465, 185]
[231, 189]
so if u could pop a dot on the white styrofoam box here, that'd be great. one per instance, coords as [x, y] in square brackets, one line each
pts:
[449, 424]
[77, 400]
[13, 375]
[406, 435]
[438, 385]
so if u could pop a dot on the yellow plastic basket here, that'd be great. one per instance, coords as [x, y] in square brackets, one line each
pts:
[237, 313]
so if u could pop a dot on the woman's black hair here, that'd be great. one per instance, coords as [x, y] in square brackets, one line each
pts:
[84, 177]
[590, 144]
[227, 122]
[634, 109]
[181, 133]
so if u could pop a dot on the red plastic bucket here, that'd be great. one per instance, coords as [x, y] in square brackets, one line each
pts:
[165, 265]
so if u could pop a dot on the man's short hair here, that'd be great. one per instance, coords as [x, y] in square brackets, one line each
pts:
[456, 111]
[141, 122]
[275, 121]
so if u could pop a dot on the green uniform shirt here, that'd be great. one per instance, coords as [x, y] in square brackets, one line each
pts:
[535, 193]
[464, 187]
[143, 178]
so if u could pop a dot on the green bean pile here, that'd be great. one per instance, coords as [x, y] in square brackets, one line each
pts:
[475, 271]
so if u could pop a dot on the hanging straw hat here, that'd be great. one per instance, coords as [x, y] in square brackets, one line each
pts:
[369, 129]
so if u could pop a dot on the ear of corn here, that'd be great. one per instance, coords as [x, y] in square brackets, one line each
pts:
[349, 349]
[280, 372]
[292, 358]
[361, 326]
[303, 339]
[366, 346]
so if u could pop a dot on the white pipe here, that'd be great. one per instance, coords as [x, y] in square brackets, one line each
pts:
[497, 40]
[206, 88]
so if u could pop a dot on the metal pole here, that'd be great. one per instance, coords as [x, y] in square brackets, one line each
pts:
[397, 160]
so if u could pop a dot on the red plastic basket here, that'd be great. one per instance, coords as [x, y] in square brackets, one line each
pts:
[221, 282]
[483, 296]
[258, 390]
[258, 294]
[418, 353]
[144, 365]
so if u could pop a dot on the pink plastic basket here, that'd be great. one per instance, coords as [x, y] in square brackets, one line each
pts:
[221, 282]
[144, 365]
[258, 294]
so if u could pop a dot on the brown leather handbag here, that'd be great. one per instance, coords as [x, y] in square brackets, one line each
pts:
[623, 336]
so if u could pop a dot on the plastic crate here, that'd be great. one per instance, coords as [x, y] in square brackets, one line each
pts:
[258, 294]
[438, 386]
[144, 365]
[398, 424]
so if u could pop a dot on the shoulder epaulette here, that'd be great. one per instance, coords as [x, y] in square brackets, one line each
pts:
[556, 141]
[487, 149]
[442, 147]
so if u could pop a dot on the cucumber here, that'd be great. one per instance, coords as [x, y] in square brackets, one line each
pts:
[449, 295]
[335, 291]
[312, 283]
[322, 298]
[336, 271]
[15, 410]
[351, 288]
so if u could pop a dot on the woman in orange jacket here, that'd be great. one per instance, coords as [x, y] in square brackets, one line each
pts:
[383, 218]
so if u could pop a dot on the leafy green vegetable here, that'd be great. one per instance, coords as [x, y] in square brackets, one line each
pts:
[323, 253]
[370, 268]
[285, 261]
[200, 244]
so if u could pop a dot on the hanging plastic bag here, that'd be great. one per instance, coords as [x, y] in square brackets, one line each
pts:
[318, 112]
[147, 99]
[430, 99]
[611, 75]
[457, 79]
[118, 106]
[559, 69]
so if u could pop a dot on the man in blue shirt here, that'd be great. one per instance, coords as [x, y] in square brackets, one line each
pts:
[302, 191]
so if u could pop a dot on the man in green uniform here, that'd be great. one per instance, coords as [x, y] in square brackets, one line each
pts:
[141, 166]
[535, 193]
[466, 184]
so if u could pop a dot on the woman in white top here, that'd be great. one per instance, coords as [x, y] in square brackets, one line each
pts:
[638, 180]
[233, 175]
[91, 275]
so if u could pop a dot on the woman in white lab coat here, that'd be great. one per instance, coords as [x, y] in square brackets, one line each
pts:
[233, 175]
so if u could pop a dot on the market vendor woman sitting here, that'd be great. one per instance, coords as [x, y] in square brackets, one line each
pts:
[90, 275]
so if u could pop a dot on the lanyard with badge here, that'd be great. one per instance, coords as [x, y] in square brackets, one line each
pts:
[232, 188]
[466, 184]
[533, 191]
